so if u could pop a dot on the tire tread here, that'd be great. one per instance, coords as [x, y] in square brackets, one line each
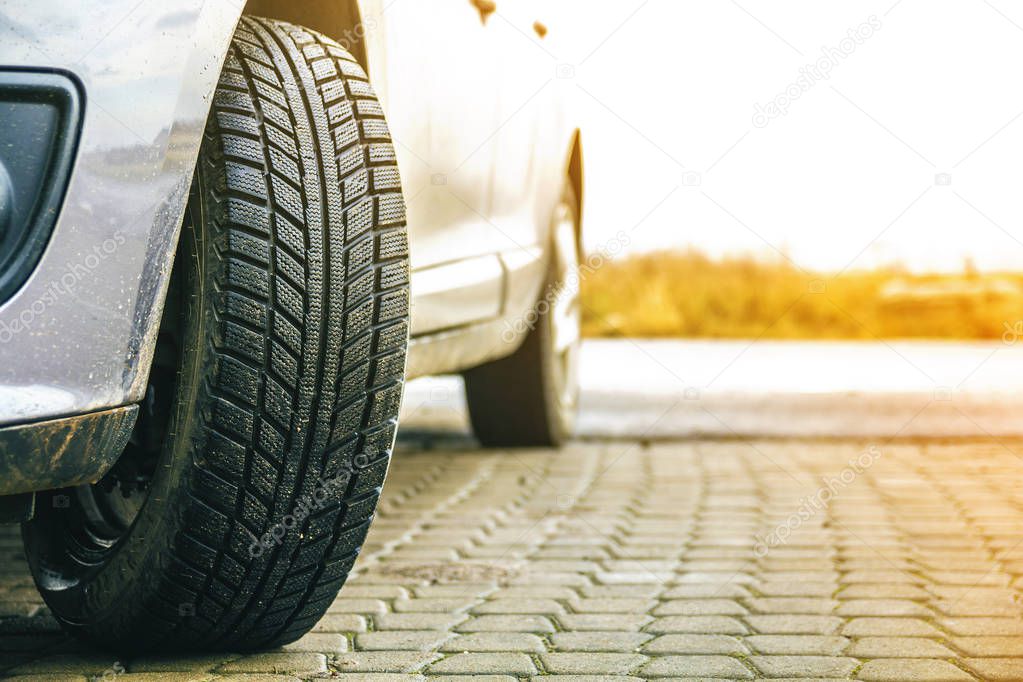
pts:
[307, 266]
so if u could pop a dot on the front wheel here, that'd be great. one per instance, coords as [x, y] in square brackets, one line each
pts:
[245, 494]
[529, 399]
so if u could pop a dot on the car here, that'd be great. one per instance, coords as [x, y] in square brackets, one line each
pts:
[219, 263]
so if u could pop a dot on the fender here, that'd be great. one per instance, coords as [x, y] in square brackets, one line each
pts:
[147, 74]
[576, 176]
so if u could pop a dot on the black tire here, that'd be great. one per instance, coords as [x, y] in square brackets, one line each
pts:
[529, 399]
[286, 328]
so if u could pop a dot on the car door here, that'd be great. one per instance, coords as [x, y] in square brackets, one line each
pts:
[526, 148]
[435, 67]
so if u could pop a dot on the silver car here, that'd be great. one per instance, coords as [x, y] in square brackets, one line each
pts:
[218, 265]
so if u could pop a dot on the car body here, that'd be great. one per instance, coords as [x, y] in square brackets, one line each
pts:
[475, 109]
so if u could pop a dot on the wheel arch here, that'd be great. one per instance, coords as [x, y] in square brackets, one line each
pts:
[340, 20]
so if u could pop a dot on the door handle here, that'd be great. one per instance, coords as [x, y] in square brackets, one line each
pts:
[485, 8]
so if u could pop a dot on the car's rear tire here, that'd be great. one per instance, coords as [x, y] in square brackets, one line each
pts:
[529, 399]
[273, 401]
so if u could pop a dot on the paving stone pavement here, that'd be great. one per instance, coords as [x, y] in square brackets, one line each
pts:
[627, 560]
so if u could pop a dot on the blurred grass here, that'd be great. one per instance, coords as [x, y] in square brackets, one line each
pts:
[686, 294]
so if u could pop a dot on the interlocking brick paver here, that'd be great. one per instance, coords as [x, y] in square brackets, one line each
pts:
[882, 607]
[383, 661]
[489, 642]
[551, 578]
[633, 578]
[506, 624]
[968, 578]
[598, 641]
[620, 591]
[983, 626]
[487, 663]
[65, 664]
[797, 589]
[534, 592]
[798, 605]
[723, 625]
[603, 621]
[417, 621]
[974, 591]
[705, 591]
[875, 591]
[432, 605]
[460, 590]
[335, 622]
[794, 625]
[376, 677]
[360, 606]
[591, 663]
[623, 605]
[165, 663]
[696, 666]
[369, 591]
[916, 669]
[699, 607]
[804, 666]
[649, 573]
[997, 647]
[400, 640]
[971, 606]
[695, 644]
[318, 642]
[178, 677]
[898, 647]
[893, 627]
[996, 668]
[805, 645]
[544, 607]
[300, 663]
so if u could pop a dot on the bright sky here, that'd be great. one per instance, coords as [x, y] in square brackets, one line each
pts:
[909, 151]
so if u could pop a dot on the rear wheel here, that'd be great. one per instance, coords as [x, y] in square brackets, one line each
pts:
[530, 397]
[246, 492]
